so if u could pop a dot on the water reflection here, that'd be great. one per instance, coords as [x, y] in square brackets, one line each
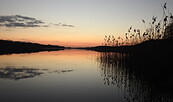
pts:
[72, 76]
[19, 73]
[24, 72]
[61, 71]
[112, 69]
[115, 70]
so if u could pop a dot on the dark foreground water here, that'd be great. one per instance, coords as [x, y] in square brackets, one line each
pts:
[74, 76]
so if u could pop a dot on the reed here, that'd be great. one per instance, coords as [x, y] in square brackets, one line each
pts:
[156, 29]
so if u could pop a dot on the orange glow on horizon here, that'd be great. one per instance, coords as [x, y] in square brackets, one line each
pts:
[61, 43]
[65, 38]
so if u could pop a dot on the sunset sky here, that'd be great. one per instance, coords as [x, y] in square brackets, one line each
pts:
[75, 23]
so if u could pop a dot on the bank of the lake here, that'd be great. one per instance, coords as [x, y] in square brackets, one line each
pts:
[151, 59]
[9, 47]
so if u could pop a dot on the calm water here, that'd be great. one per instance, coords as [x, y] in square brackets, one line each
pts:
[72, 76]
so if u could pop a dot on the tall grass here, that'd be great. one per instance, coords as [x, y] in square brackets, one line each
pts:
[156, 29]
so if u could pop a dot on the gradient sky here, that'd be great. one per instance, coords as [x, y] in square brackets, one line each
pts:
[92, 19]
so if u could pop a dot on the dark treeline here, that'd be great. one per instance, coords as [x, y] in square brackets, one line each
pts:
[8, 47]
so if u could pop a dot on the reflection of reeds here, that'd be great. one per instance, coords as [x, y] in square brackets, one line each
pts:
[114, 70]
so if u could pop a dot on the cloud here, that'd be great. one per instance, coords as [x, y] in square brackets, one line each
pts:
[26, 22]
[68, 25]
[64, 25]
[20, 21]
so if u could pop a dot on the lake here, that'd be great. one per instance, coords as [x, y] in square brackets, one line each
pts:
[74, 76]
